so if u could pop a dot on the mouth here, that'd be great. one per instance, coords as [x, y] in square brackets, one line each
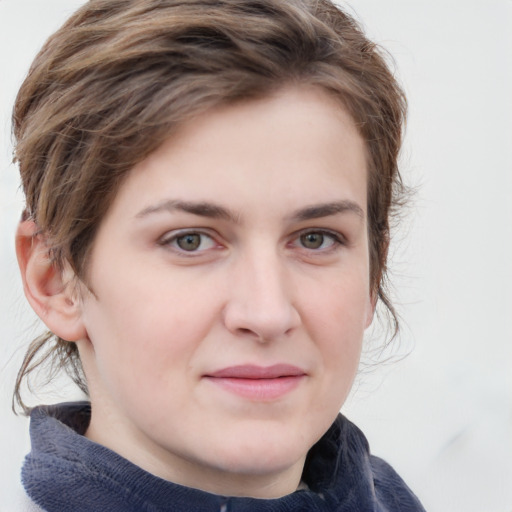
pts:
[258, 383]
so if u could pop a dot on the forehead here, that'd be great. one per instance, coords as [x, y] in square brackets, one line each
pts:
[298, 146]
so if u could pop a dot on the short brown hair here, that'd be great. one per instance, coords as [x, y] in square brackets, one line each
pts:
[121, 76]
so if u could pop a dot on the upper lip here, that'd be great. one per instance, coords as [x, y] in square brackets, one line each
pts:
[258, 372]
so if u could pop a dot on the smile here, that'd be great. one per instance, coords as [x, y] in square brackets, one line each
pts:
[257, 383]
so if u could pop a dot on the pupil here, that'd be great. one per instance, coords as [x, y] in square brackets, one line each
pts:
[312, 240]
[189, 242]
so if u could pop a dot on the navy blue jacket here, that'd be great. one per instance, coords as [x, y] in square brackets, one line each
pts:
[65, 471]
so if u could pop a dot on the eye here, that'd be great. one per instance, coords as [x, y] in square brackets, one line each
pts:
[318, 240]
[190, 241]
[312, 240]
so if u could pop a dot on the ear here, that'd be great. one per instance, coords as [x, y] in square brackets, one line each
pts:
[50, 291]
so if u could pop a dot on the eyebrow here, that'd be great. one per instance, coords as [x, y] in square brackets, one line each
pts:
[202, 209]
[317, 211]
[215, 211]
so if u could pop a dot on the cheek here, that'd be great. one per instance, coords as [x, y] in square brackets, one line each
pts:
[339, 317]
[342, 303]
[136, 338]
[337, 324]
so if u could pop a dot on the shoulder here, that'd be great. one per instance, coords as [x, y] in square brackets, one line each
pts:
[391, 490]
[22, 503]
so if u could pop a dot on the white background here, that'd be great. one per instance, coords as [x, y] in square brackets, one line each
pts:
[443, 415]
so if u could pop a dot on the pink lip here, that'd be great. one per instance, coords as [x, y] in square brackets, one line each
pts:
[258, 383]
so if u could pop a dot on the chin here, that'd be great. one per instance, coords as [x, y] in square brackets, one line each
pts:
[261, 454]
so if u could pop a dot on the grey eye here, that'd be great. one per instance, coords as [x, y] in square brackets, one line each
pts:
[189, 242]
[312, 240]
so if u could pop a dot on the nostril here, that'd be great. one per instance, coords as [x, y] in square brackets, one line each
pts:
[257, 317]
[247, 332]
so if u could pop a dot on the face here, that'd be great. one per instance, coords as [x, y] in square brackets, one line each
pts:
[229, 295]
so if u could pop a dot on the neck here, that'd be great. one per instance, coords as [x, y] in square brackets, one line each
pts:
[240, 482]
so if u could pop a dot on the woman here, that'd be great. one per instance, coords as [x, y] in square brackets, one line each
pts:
[208, 186]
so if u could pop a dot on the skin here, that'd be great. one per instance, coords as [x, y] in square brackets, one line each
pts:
[275, 270]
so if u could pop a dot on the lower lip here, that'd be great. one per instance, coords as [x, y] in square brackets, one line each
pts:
[259, 390]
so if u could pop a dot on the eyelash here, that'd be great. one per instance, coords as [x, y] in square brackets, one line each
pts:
[171, 240]
[336, 238]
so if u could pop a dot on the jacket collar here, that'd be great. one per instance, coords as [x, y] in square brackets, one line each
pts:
[67, 471]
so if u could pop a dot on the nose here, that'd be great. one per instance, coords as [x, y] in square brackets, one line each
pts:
[260, 304]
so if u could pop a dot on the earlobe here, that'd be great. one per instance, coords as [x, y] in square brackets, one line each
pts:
[49, 290]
